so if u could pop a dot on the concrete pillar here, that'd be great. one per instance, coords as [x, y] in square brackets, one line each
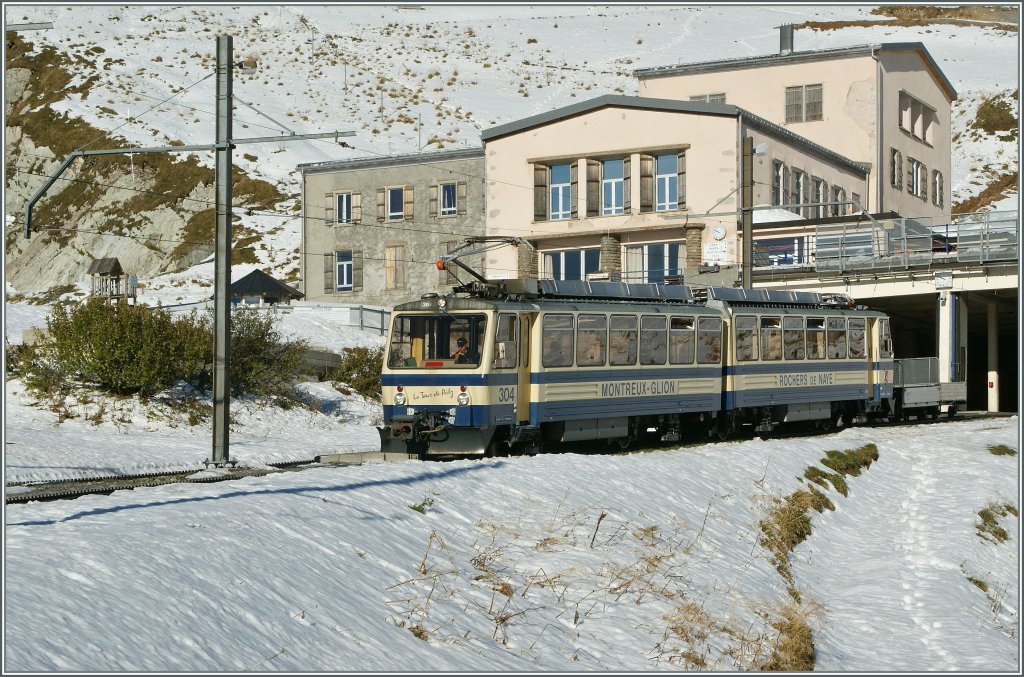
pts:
[694, 250]
[611, 256]
[993, 358]
[527, 262]
[952, 336]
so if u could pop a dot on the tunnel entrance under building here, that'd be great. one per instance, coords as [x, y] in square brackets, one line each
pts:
[915, 322]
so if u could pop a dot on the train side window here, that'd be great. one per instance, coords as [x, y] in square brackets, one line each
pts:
[591, 340]
[793, 337]
[746, 347]
[885, 339]
[857, 348]
[815, 338]
[622, 344]
[506, 342]
[836, 348]
[709, 338]
[681, 341]
[652, 339]
[557, 339]
[771, 338]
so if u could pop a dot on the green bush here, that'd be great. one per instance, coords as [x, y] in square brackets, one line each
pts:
[121, 348]
[261, 361]
[360, 368]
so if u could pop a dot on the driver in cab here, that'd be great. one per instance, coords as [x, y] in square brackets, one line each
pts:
[462, 354]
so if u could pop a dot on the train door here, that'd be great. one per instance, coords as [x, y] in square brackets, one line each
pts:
[525, 365]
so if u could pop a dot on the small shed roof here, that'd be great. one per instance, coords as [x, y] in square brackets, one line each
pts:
[105, 267]
[258, 282]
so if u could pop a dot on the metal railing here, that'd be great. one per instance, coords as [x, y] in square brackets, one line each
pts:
[896, 244]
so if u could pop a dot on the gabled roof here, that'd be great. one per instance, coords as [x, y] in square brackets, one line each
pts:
[670, 105]
[608, 101]
[800, 57]
[105, 267]
[258, 282]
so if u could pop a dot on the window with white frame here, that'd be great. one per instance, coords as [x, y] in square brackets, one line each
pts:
[611, 187]
[819, 189]
[709, 98]
[561, 193]
[937, 192]
[448, 193]
[803, 103]
[653, 262]
[778, 182]
[917, 176]
[395, 266]
[571, 264]
[896, 169]
[344, 263]
[396, 204]
[838, 198]
[344, 211]
[667, 183]
[799, 191]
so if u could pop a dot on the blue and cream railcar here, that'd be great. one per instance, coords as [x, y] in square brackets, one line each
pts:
[802, 356]
[551, 362]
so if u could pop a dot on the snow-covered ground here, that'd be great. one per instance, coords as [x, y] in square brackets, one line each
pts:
[557, 563]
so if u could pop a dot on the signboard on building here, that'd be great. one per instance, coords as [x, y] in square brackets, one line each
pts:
[716, 252]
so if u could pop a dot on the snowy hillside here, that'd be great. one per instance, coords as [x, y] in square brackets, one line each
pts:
[405, 78]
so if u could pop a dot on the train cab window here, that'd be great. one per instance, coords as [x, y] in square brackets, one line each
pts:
[793, 337]
[681, 340]
[836, 339]
[815, 338]
[884, 339]
[771, 338]
[857, 347]
[506, 342]
[430, 341]
[709, 340]
[557, 341]
[591, 340]
[653, 346]
[622, 342]
[746, 346]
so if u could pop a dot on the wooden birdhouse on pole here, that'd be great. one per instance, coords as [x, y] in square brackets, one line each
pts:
[110, 283]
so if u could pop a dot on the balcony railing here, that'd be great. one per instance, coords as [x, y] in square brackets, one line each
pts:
[895, 244]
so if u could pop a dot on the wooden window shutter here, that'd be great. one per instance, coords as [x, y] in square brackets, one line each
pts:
[460, 197]
[357, 207]
[400, 265]
[432, 210]
[357, 271]
[787, 194]
[627, 178]
[574, 190]
[593, 188]
[681, 178]
[329, 209]
[329, 262]
[910, 176]
[924, 183]
[540, 193]
[646, 183]
[380, 205]
[408, 203]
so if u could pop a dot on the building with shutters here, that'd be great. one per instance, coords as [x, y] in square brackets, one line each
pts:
[373, 228]
[642, 190]
[886, 105]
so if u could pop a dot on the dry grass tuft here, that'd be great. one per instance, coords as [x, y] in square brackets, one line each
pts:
[794, 649]
[988, 528]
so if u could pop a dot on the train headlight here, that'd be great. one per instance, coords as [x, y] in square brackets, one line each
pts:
[441, 304]
[462, 399]
[400, 399]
